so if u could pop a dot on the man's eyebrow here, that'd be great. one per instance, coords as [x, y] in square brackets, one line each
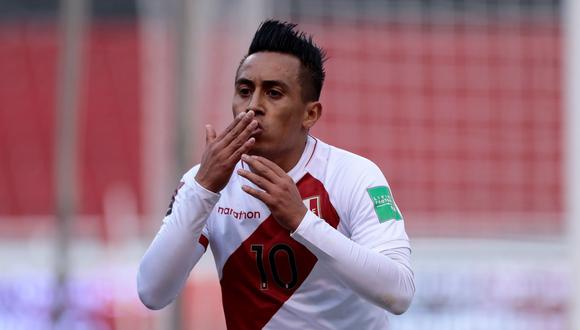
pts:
[267, 83]
[244, 81]
[275, 83]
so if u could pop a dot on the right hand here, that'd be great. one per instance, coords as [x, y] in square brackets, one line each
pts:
[223, 152]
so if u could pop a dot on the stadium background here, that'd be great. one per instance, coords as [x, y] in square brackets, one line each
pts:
[460, 102]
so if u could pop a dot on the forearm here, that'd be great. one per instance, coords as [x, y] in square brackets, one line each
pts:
[385, 279]
[175, 249]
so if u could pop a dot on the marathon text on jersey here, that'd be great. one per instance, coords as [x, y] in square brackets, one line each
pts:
[238, 215]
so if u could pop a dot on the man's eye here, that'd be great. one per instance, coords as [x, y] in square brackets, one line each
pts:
[244, 91]
[274, 93]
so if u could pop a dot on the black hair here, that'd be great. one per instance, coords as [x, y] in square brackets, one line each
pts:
[281, 37]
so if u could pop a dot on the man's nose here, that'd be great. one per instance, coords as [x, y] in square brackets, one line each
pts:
[255, 104]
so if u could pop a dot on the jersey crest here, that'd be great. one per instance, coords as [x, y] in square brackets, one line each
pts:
[313, 205]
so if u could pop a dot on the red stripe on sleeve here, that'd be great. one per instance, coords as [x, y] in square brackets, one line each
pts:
[203, 241]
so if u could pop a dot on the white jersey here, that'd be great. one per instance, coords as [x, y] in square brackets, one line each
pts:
[271, 280]
[274, 279]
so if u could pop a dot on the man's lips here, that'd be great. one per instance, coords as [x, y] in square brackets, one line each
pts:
[257, 131]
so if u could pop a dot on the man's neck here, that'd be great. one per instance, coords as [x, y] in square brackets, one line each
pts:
[288, 160]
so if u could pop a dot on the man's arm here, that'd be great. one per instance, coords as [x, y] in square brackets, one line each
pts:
[384, 278]
[175, 249]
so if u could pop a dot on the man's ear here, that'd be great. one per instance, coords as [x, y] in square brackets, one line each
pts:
[312, 114]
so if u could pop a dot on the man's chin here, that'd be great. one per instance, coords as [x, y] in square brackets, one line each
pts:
[255, 152]
[258, 149]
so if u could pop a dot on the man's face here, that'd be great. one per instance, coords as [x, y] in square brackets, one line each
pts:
[268, 83]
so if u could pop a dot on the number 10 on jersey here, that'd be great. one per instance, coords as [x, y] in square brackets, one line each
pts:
[258, 250]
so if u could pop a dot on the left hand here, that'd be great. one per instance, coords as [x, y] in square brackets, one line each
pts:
[278, 192]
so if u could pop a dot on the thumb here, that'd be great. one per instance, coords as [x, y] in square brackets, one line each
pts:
[210, 134]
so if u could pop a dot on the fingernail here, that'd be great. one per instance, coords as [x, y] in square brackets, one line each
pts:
[244, 157]
[251, 113]
[241, 114]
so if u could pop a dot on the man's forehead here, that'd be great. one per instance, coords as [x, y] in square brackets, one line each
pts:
[270, 66]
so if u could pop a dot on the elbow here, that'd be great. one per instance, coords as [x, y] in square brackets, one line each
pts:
[399, 302]
[148, 296]
[400, 305]
[148, 300]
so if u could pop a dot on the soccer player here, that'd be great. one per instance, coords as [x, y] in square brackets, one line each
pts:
[304, 235]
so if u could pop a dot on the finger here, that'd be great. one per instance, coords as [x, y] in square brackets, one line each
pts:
[256, 179]
[259, 168]
[233, 124]
[228, 135]
[240, 128]
[210, 134]
[236, 155]
[261, 195]
[241, 138]
[271, 165]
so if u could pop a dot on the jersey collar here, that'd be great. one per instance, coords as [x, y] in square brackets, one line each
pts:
[298, 171]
